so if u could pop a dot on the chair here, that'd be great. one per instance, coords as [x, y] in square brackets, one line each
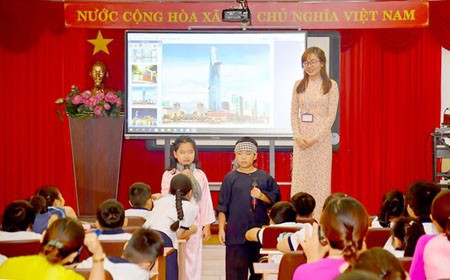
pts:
[289, 263]
[406, 262]
[377, 237]
[20, 248]
[271, 235]
[131, 229]
[111, 248]
[135, 221]
[86, 271]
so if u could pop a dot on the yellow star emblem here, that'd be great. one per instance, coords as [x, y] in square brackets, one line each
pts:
[100, 43]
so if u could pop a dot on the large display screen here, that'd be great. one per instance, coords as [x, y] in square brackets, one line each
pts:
[211, 83]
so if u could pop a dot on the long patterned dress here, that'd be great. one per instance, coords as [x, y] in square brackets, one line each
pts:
[311, 170]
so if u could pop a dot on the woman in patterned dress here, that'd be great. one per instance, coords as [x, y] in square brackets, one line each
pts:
[314, 104]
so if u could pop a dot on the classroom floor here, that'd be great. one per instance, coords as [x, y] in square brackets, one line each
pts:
[213, 263]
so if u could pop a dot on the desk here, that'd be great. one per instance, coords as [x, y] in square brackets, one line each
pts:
[161, 266]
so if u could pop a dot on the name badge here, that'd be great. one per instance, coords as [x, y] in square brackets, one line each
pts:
[307, 117]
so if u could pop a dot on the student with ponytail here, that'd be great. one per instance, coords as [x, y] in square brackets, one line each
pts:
[344, 224]
[61, 243]
[173, 213]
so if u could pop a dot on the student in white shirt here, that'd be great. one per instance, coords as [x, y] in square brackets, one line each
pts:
[140, 199]
[173, 213]
[17, 223]
[138, 258]
[282, 214]
[111, 220]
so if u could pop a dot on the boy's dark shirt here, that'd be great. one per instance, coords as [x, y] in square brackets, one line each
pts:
[235, 201]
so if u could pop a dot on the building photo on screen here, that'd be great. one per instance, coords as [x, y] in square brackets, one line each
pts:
[211, 83]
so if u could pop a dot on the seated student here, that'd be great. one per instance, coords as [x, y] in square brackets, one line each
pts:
[282, 214]
[405, 234]
[111, 220]
[418, 199]
[304, 204]
[382, 263]
[53, 208]
[173, 214]
[18, 219]
[344, 223]
[292, 242]
[60, 245]
[138, 258]
[432, 255]
[140, 199]
[392, 207]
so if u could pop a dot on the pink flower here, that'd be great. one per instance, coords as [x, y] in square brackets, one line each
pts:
[76, 99]
[119, 102]
[91, 102]
[86, 94]
[107, 106]
[100, 95]
[111, 97]
[98, 111]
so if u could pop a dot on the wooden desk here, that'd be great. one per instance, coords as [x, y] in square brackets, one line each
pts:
[181, 259]
[273, 255]
[161, 265]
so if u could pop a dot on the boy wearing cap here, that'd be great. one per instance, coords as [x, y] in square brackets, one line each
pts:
[245, 197]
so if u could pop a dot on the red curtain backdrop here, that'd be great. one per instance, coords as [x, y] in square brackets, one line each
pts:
[389, 90]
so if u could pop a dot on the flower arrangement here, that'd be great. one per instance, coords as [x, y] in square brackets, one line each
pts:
[85, 104]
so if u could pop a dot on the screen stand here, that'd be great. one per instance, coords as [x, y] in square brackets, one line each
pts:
[272, 157]
[166, 153]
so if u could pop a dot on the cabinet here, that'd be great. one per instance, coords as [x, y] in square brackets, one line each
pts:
[441, 149]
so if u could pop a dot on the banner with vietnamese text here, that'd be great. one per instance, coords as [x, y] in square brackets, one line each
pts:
[280, 15]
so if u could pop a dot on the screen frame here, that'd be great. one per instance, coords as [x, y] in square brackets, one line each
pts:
[201, 135]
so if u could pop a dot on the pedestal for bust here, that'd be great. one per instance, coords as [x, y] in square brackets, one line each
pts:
[96, 153]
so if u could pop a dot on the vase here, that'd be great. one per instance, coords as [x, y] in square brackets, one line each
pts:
[96, 153]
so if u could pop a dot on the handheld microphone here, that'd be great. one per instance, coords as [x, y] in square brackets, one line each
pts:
[254, 200]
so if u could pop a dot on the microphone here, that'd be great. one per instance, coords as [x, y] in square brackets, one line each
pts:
[254, 200]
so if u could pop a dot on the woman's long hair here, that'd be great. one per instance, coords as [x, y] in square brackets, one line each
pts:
[326, 82]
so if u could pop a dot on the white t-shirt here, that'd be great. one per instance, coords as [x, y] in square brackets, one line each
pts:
[294, 239]
[133, 212]
[119, 270]
[119, 236]
[19, 235]
[164, 214]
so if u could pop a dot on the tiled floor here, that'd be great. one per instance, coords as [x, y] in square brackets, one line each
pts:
[213, 263]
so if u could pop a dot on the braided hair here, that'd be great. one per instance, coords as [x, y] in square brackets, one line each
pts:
[180, 186]
[345, 223]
